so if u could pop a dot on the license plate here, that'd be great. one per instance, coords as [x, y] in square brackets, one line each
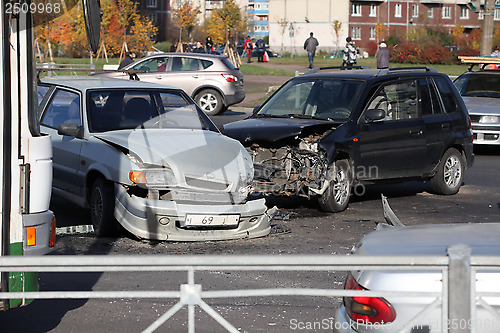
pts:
[212, 220]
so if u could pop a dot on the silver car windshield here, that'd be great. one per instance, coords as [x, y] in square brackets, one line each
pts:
[321, 99]
[110, 110]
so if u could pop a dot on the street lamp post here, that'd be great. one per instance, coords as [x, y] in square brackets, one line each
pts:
[488, 26]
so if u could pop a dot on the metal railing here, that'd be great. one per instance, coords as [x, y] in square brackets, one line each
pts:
[458, 287]
[53, 68]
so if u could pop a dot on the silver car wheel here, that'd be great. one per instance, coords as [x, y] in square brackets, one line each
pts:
[340, 187]
[452, 171]
[208, 102]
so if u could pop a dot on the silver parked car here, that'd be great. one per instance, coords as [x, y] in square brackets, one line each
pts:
[416, 314]
[146, 156]
[480, 91]
[211, 80]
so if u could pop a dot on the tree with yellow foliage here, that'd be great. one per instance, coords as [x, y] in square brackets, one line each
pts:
[120, 22]
[226, 21]
[184, 15]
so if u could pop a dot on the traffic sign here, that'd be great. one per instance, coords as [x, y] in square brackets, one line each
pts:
[497, 3]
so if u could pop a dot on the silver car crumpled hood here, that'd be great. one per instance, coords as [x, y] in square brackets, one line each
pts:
[482, 105]
[195, 156]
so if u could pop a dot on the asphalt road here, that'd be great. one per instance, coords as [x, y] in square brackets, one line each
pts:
[301, 229]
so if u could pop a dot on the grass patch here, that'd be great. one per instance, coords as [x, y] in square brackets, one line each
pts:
[261, 70]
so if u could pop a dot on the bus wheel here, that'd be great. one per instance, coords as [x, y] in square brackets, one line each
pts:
[102, 206]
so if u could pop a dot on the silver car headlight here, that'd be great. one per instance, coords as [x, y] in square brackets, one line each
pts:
[489, 120]
[153, 177]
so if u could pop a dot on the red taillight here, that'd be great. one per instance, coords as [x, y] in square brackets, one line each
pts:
[367, 310]
[230, 77]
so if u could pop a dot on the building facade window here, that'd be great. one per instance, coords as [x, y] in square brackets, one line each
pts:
[373, 33]
[446, 12]
[356, 9]
[356, 33]
[414, 10]
[430, 12]
[481, 14]
[496, 15]
[373, 11]
[464, 12]
[151, 4]
[397, 10]
[152, 18]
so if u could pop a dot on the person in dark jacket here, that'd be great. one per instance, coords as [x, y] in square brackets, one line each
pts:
[310, 46]
[383, 56]
[209, 44]
[129, 58]
[261, 48]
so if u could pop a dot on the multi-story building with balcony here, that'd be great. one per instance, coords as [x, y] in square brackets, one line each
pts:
[258, 11]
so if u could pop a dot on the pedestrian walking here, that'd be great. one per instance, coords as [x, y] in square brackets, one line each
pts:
[248, 49]
[261, 49]
[209, 44]
[383, 56]
[310, 46]
[129, 58]
[350, 54]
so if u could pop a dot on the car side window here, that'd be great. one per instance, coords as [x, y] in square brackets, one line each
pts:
[399, 100]
[158, 64]
[180, 64]
[447, 96]
[64, 108]
[429, 99]
[206, 63]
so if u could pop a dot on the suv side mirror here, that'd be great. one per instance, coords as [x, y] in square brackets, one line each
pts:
[374, 114]
[256, 109]
[70, 130]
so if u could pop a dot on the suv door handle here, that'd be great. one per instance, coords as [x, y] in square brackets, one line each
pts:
[416, 132]
[159, 77]
[195, 76]
[445, 125]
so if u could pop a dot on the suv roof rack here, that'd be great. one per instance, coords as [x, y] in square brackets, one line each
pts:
[481, 62]
[394, 69]
[317, 69]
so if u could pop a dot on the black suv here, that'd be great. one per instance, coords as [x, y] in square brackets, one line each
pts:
[325, 131]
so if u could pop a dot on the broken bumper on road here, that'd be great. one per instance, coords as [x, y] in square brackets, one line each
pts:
[166, 220]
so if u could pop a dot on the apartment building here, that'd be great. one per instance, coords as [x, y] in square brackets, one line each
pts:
[403, 16]
[290, 21]
[158, 11]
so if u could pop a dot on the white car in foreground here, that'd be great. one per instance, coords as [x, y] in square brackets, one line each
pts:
[394, 314]
[146, 156]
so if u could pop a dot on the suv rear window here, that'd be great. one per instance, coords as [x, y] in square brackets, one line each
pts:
[228, 63]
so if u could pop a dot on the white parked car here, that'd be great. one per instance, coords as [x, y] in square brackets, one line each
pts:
[394, 314]
[145, 155]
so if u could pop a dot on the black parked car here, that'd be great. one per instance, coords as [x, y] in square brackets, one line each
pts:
[325, 131]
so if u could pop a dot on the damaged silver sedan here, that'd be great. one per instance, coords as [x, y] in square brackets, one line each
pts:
[147, 157]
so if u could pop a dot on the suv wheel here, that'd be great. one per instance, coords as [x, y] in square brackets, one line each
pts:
[102, 206]
[336, 197]
[450, 173]
[210, 101]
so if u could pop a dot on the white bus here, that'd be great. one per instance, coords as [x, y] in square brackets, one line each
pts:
[27, 226]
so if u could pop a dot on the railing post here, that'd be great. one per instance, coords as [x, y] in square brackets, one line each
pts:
[459, 289]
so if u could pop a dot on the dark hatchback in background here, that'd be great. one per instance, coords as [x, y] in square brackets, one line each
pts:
[325, 131]
[480, 90]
